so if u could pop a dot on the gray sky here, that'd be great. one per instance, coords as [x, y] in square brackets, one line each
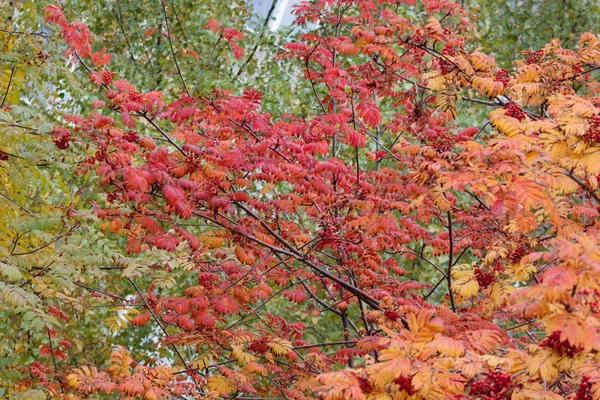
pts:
[282, 14]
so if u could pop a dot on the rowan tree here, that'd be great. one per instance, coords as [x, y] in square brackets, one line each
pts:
[374, 247]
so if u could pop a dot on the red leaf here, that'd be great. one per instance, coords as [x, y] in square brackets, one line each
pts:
[370, 113]
[135, 181]
[203, 318]
[225, 305]
[150, 224]
[45, 350]
[141, 319]
[185, 322]
[234, 158]
[295, 295]
[54, 14]
[213, 25]
[167, 242]
[100, 58]
[356, 139]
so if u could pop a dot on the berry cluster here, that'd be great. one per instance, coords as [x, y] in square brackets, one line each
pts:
[438, 138]
[62, 138]
[593, 133]
[380, 154]
[446, 67]
[577, 68]
[562, 347]
[259, 346]
[518, 253]
[131, 136]
[513, 110]
[493, 387]
[405, 383]
[502, 76]
[448, 50]
[364, 384]
[136, 97]
[554, 85]
[484, 278]
[585, 390]
[3, 156]
[207, 279]
[533, 57]
[107, 77]
[392, 315]
[498, 266]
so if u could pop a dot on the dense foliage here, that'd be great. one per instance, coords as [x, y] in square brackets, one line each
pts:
[168, 234]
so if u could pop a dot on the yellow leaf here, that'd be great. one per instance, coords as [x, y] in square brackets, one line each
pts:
[464, 285]
[542, 365]
[203, 361]
[504, 124]
[435, 80]
[279, 346]
[385, 372]
[237, 351]
[219, 384]
[448, 347]
[211, 241]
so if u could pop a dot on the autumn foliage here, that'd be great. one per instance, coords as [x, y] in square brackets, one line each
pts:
[446, 261]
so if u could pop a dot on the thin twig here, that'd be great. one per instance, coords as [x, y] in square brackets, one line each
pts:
[164, 7]
[12, 72]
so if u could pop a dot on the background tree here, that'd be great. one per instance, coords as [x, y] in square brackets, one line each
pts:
[266, 252]
[507, 28]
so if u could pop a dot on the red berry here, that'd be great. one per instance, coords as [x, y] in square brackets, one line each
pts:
[533, 57]
[563, 347]
[493, 387]
[593, 133]
[502, 76]
[259, 346]
[107, 77]
[518, 253]
[584, 392]
[484, 278]
[391, 315]
[131, 136]
[136, 97]
[364, 384]
[405, 383]
[513, 110]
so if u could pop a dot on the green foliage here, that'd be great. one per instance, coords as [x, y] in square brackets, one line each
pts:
[505, 28]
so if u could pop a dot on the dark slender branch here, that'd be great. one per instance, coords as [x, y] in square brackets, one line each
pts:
[16, 203]
[583, 185]
[52, 350]
[75, 226]
[158, 322]
[93, 290]
[163, 133]
[12, 72]
[450, 263]
[119, 16]
[460, 255]
[40, 34]
[435, 287]
[486, 103]
[164, 7]
[262, 34]
[181, 28]
[521, 325]
[312, 84]
[301, 257]
[208, 64]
